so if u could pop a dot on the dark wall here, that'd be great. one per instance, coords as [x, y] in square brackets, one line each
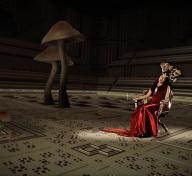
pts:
[144, 28]
[133, 27]
[30, 20]
[111, 31]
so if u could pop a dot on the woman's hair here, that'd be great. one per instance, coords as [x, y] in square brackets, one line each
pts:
[154, 85]
[165, 83]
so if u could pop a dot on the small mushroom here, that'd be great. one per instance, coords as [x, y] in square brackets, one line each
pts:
[51, 55]
[62, 33]
[4, 117]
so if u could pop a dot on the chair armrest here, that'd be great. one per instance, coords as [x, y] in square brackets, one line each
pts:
[164, 109]
[143, 101]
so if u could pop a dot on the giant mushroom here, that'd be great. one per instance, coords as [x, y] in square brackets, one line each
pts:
[62, 33]
[51, 55]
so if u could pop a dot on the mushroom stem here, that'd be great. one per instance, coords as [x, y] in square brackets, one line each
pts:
[63, 97]
[48, 99]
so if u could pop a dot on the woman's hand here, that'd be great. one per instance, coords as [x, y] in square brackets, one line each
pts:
[142, 97]
[137, 98]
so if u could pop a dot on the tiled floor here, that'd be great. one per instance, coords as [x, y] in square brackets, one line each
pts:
[51, 141]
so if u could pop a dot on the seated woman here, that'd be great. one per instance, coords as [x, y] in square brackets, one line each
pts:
[144, 119]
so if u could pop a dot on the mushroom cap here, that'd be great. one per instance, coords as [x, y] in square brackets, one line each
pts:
[4, 117]
[62, 30]
[51, 54]
[176, 72]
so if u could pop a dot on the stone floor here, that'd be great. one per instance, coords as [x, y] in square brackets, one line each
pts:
[50, 141]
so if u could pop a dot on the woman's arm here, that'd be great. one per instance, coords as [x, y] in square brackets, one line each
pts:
[143, 97]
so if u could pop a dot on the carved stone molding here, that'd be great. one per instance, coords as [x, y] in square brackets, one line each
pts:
[19, 48]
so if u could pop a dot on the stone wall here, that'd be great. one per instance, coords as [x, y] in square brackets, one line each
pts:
[146, 63]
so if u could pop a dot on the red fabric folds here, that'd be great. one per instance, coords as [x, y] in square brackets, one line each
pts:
[143, 122]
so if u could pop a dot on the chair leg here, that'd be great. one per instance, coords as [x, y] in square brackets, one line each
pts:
[165, 128]
[163, 125]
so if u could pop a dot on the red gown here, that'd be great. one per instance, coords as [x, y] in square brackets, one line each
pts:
[144, 118]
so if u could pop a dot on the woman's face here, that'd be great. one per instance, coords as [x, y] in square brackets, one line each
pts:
[162, 78]
[165, 66]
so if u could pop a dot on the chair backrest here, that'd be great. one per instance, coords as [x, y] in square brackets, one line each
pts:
[166, 108]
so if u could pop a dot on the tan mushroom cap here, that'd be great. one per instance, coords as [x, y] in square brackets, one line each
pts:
[51, 54]
[177, 72]
[62, 30]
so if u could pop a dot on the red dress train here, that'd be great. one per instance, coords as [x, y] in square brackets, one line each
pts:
[144, 120]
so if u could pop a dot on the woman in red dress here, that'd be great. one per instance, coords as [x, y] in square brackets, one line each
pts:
[144, 119]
